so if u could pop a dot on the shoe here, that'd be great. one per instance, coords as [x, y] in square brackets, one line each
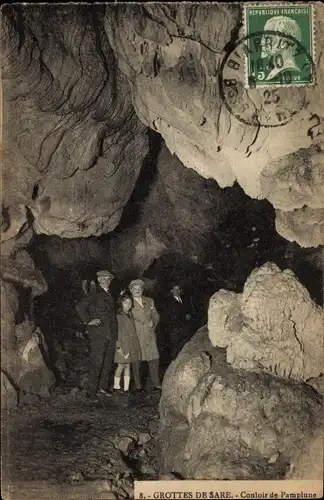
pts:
[158, 388]
[104, 393]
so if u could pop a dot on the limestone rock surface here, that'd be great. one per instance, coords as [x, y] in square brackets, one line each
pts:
[15, 230]
[33, 375]
[22, 358]
[305, 225]
[9, 396]
[231, 423]
[310, 462]
[73, 145]
[180, 211]
[9, 308]
[172, 57]
[273, 325]
[21, 270]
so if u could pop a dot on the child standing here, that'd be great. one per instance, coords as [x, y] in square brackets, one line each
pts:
[127, 346]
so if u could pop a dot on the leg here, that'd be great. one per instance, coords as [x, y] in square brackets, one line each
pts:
[118, 374]
[95, 362]
[154, 372]
[107, 365]
[126, 377]
[136, 374]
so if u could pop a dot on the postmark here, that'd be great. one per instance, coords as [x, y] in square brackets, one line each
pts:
[281, 55]
[267, 106]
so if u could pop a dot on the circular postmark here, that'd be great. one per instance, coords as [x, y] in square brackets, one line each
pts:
[259, 84]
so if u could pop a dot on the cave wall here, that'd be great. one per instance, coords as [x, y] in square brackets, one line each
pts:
[171, 54]
[81, 86]
[73, 145]
[244, 397]
[74, 91]
[73, 148]
[179, 213]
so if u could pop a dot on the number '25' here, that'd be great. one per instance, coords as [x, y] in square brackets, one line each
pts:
[271, 96]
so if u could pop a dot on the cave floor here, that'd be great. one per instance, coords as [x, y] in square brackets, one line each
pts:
[69, 447]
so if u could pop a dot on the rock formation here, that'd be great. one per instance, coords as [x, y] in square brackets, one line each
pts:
[234, 403]
[81, 87]
[222, 422]
[180, 212]
[73, 148]
[9, 395]
[310, 461]
[22, 359]
[172, 55]
[273, 325]
[73, 144]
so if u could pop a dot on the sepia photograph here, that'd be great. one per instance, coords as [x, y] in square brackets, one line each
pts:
[162, 250]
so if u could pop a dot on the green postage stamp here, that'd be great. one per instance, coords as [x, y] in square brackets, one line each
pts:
[280, 47]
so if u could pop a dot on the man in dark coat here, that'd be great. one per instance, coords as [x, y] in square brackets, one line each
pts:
[177, 318]
[97, 311]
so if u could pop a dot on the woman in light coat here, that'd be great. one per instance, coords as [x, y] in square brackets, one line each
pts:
[146, 319]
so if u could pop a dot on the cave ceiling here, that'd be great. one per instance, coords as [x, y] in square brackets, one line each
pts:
[82, 85]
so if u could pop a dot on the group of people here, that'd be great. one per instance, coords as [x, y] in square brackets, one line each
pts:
[123, 333]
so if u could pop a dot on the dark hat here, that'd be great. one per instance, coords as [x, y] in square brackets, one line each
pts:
[136, 282]
[105, 273]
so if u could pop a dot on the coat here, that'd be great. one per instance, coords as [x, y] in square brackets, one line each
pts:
[99, 305]
[176, 326]
[177, 311]
[145, 333]
[127, 340]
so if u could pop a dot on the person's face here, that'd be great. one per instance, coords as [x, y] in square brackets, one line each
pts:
[104, 281]
[137, 291]
[127, 305]
[176, 291]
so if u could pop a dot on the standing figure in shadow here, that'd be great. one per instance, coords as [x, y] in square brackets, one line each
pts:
[97, 311]
[177, 320]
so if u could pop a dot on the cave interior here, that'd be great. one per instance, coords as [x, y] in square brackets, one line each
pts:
[108, 177]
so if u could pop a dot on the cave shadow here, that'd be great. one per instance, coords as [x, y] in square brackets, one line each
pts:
[144, 183]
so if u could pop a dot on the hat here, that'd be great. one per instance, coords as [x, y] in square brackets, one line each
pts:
[107, 274]
[136, 282]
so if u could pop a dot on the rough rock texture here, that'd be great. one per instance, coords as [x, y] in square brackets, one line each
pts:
[305, 225]
[317, 383]
[20, 269]
[181, 211]
[273, 325]
[73, 144]
[134, 250]
[310, 462]
[219, 422]
[9, 396]
[76, 161]
[33, 375]
[15, 231]
[69, 254]
[171, 55]
[22, 358]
